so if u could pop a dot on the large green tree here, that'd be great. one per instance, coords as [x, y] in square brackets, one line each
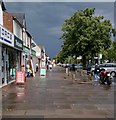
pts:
[112, 52]
[86, 34]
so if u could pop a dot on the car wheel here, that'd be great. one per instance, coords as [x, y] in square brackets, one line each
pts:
[113, 74]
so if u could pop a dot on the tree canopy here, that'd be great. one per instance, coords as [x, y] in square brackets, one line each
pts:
[85, 34]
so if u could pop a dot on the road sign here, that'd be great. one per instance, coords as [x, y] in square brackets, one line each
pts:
[20, 77]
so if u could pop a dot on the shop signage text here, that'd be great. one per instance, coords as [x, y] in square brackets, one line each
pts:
[18, 43]
[6, 37]
[20, 77]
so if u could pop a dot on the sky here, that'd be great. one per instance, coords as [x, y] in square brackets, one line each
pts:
[44, 19]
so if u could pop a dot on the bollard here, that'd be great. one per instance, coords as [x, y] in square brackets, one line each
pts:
[89, 77]
[67, 71]
[73, 75]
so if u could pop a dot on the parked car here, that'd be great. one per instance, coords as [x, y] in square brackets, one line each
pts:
[64, 65]
[79, 66]
[109, 67]
[92, 68]
[76, 66]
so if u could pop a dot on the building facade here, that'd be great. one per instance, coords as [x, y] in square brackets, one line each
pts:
[38, 56]
[1, 14]
[17, 47]
[43, 57]
[7, 54]
[10, 34]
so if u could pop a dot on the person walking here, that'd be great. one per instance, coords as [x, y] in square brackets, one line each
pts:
[47, 66]
[50, 67]
[67, 70]
[73, 71]
[37, 67]
[96, 74]
[29, 72]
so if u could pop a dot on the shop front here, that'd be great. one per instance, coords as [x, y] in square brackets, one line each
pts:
[9, 64]
[16, 66]
[6, 55]
[0, 66]
[26, 57]
[34, 60]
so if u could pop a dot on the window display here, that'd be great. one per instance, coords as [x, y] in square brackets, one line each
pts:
[3, 66]
[10, 64]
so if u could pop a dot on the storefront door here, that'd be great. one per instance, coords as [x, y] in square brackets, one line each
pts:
[4, 66]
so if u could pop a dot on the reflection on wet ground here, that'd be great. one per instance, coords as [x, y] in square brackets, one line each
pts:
[52, 96]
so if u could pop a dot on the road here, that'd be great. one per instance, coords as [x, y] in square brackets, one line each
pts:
[57, 96]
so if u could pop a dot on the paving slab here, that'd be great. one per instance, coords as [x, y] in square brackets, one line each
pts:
[57, 96]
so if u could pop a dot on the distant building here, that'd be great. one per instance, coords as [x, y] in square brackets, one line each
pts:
[37, 48]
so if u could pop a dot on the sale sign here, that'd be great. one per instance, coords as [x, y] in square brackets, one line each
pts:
[20, 77]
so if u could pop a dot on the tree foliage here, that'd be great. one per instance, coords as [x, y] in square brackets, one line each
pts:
[85, 34]
[112, 53]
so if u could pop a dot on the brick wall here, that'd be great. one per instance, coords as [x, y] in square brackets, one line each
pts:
[8, 21]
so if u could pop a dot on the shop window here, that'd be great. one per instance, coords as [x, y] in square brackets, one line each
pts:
[12, 63]
[3, 67]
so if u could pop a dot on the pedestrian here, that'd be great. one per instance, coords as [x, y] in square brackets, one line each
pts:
[88, 69]
[37, 67]
[73, 71]
[96, 74]
[28, 72]
[47, 66]
[27, 66]
[50, 66]
[73, 67]
[67, 70]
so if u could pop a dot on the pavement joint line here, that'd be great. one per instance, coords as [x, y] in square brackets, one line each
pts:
[56, 87]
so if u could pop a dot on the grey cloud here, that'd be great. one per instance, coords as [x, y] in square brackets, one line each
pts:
[44, 20]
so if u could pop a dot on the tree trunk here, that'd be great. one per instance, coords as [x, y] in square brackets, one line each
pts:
[84, 61]
[92, 60]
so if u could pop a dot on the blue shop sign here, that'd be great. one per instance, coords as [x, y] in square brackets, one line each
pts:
[18, 43]
[6, 36]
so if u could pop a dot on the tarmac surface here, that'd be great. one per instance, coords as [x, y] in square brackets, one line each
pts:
[57, 96]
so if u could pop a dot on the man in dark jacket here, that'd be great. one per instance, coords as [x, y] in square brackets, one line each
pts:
[96, 73]
[73, 67]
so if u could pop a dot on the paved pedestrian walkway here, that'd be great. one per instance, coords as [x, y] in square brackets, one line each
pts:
[57, 96]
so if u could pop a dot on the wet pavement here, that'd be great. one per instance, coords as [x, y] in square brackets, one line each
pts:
[57, 96]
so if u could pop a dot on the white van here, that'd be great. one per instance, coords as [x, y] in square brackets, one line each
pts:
[110, 67]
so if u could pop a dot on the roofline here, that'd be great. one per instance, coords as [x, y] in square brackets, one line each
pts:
[14, 18]
[24, 26]
[29, 34]
[2, 5]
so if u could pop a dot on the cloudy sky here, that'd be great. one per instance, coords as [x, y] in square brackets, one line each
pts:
[44, 19]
